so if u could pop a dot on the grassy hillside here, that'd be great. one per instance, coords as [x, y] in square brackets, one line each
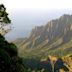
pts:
[54, 41]
[56, 49]
[55, 38]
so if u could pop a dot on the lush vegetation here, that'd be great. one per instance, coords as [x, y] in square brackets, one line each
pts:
[9, 60]
[32, 60]
[54, 38]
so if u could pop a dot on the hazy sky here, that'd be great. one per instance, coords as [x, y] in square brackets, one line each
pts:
[25, 14]
[37, 4]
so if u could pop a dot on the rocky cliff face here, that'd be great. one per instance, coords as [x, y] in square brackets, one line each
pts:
[54, 29]
[55, 38]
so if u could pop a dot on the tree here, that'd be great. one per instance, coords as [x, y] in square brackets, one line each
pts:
[9, 60]
[4, 20]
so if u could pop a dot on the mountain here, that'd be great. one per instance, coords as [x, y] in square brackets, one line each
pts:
[54, 38]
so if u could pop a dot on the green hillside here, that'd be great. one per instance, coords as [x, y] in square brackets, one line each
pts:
[49, 47]
[55, 38]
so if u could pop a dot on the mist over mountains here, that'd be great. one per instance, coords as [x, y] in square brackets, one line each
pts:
[24, 21]
[54, 38]
[40, 39]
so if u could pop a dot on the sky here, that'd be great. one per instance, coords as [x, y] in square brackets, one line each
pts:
[26, 14]
[37, 4]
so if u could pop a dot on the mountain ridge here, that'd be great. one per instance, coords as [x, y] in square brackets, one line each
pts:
[48, 39]
[53, 39]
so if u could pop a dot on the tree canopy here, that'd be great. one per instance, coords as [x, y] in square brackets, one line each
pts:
[4, 20]
[9, 60]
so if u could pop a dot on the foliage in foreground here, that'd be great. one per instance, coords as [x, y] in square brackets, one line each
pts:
[9, 60]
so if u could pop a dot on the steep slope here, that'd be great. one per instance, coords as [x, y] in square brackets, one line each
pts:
[54, 38]
[68, 62]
